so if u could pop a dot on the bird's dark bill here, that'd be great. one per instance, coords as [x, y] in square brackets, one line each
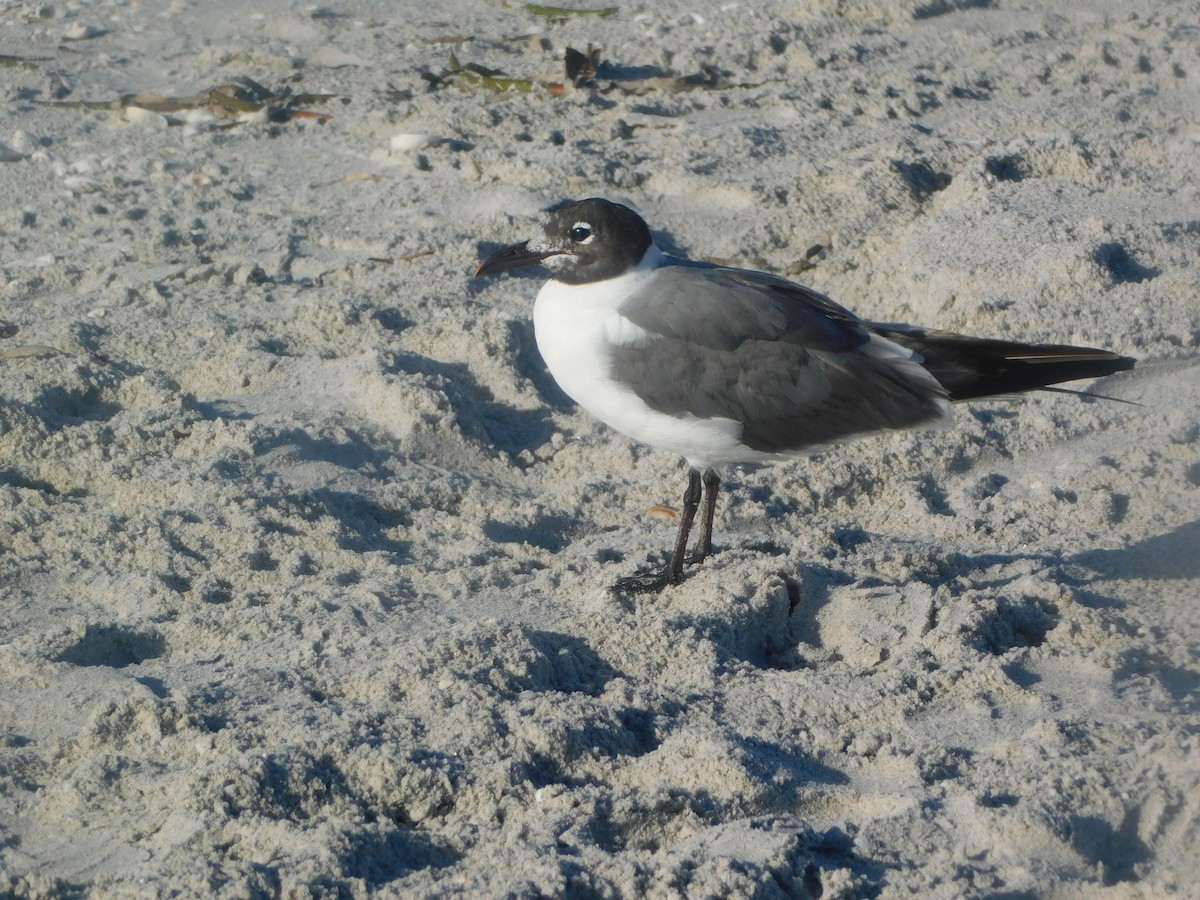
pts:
[513, 257]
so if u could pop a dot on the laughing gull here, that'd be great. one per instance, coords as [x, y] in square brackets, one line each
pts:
[726, 366]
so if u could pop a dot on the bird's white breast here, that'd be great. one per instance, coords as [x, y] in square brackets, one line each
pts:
[577, 327]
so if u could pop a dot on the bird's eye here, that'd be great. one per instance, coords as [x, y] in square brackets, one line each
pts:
[580, 233]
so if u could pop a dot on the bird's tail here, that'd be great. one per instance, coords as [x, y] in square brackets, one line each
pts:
[970, 368]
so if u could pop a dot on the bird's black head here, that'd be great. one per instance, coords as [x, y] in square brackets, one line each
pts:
[583, 241]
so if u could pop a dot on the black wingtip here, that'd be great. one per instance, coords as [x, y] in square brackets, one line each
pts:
[1037, 368]
[973, 368]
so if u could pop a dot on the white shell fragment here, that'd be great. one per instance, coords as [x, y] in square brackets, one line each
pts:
[11, 154]
[407, 142]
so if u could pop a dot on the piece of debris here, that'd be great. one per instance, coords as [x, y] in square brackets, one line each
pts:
[495, 80]
[582, 67]
[562, 12]
[11, 154]
[241, 100]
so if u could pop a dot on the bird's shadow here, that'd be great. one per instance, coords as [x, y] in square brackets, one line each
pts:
[529, 363]
[1171, 556]
[490, 423]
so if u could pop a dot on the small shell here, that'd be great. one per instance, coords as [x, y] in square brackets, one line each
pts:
[81, 32]
[146, 118]
[663, 512]
[406, 142]
[11, 154]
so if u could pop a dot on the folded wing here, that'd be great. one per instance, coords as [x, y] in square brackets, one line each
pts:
[794, 368]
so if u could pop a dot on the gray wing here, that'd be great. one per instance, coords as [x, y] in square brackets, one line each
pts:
[793, 367]
[720, 308]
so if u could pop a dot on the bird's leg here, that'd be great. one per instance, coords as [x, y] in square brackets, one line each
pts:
[712, 483]
[651, 582]
[691, 502]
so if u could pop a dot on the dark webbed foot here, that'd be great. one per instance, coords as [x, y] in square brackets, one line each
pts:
[644, 583]
[653, 582]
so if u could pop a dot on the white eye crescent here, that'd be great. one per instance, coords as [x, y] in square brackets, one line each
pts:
[580, 233]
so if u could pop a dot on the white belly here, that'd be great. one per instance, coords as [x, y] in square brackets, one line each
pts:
[576, 326]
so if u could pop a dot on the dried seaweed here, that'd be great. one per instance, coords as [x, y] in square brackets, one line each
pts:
[22, 62]
[28, 351]
[241, 99]
[562, 12]
[495, 80]
[448, 39]
[584, 70]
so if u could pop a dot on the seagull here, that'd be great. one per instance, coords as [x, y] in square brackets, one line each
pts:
[726, 366]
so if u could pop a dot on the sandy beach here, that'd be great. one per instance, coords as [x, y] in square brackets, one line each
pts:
[305, 560]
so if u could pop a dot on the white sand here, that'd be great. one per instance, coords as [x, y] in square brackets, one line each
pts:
[305, 560]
